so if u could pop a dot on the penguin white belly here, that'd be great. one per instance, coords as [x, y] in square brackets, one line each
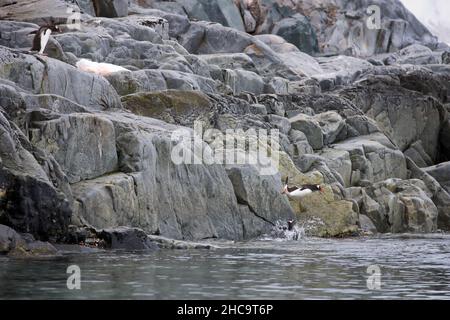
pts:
[44, 40]
[299, 194]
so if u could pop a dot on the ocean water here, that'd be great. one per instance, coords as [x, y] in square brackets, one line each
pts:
[410, 267]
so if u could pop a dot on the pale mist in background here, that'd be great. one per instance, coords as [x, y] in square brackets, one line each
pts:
[434, 14]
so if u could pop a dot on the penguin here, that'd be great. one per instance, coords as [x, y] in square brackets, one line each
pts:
[42, 35]
[299, 192]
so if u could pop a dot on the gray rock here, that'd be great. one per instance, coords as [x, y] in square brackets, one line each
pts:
[298, 31]
[414, 54]
[224, 12]
[15, 34]
[341, 70]
[230, 61]
[29, 202]
[418, 154]
[9, 239]
[143, 198]
[249, 22]
[172, 106]
[406, 204]
[258, 109]
[260, 193]
[51, 76]
[203, 38]
[340, 161]
[124, 238]
[440, 196]
[300, 143]
[341, 27]
[86, 6]
[310, 127]
[111, 8]
[39, 248]
[14, 245]
[446, 57]
[43, 11]
[185, 81]
[300, 62]
[165, 243]
[243, 81]
[373, 158]
[83, 144]
[403, 115]
[366, 224]
[131, 82]
[331, 124]
[281, 123]
[444, 138]
[278, 86]
[440, 172]
[273, 104]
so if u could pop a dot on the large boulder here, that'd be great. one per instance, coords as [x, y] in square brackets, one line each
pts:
[404, 206]
[224, 12]
[342, 26]
[373, 158]
[410, 119]
[340, 161]
[414, 54]
[37, 11]
[310, 127]
[243, 81]
[230, 61]
[23, 246]
[298, 61]
[441, 172]
[137, 81]
[49, 76]
[177, 200]
[335, 219]
[173, 106]
[440, 196]
[260, 193]
[9, 239]
[84, 145]
[124, 238]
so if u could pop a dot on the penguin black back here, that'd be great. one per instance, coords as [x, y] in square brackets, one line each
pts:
[37, 43]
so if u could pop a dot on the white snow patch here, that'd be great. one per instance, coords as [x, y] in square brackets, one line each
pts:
[99, 68]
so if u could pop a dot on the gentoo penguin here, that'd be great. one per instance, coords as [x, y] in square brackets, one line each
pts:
[300, 192]
[291, 224]
[42, 36]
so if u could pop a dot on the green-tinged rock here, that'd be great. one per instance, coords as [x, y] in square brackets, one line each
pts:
[327, 219]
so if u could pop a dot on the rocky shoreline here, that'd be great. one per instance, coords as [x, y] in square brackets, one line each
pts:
[363, 112]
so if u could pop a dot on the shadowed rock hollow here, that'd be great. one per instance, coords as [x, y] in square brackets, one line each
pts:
[363, 112]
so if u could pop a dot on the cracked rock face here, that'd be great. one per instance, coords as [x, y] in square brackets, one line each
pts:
[367, 118]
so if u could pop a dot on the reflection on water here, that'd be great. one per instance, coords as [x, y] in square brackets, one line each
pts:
[411, 267]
